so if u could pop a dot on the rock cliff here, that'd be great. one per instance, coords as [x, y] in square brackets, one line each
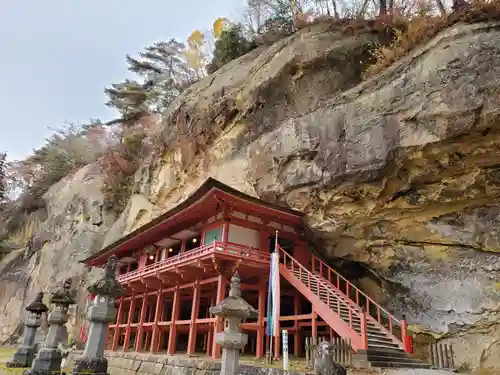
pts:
[398, 175]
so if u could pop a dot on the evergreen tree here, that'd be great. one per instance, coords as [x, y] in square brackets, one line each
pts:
[165, 73]
[231, 45]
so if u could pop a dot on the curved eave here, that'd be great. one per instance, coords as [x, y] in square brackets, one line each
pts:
[204, 198]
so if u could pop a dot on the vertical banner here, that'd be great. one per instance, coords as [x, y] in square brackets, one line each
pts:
[275, 296]
[285, 349]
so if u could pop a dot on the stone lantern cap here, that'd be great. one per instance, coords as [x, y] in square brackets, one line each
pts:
[234, 305]
[64, 295]
[37, 306]
[108, 285]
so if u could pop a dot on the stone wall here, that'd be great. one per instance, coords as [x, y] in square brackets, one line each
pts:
[146, 364]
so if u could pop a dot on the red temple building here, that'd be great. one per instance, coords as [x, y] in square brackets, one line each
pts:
[179, 265]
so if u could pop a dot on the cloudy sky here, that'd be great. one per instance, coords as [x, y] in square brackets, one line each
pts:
[58, 55]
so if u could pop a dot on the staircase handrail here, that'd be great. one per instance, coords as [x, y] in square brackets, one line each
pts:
[392, 318]
[318, 280]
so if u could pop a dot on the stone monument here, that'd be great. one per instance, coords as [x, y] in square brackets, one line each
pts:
[23, 357]
[324, 363]
[233, 309]
[48, 359]
[100, 314]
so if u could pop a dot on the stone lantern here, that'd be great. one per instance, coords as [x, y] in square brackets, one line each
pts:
[233, 309]
[23, 357]
[100, 313]
[48, 360]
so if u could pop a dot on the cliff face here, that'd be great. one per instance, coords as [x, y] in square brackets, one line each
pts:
[398, 175]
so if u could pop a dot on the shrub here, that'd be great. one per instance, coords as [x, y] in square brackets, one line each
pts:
[119, 166]
[421, 28]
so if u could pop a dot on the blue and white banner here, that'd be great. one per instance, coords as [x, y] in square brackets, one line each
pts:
[272, 294]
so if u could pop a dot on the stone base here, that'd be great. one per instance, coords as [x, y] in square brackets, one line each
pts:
[23, 357]
[47, 361]
[90, 366]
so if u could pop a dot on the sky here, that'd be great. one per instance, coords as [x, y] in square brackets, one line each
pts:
[58, 55]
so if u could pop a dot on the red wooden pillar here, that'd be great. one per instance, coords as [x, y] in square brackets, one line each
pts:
[172, 336]
[364, 330]
[296, 336]
[183, 247]
[194, 315]
[154, 335]
[116, 335]
[160, 319]
[140, 329]
[314, 327]
[209, 333]
[209, 341]
[126, 341]
[261, 306]
[221, 291]
[225, 231]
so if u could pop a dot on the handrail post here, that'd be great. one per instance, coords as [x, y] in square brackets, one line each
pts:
[404, 335]
[313, 258]
[364, 330]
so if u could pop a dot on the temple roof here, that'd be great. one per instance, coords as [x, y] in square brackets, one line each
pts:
[206, 198]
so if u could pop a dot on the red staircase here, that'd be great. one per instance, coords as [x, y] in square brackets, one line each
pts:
[374, 333]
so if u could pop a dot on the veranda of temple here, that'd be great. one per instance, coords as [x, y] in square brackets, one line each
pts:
[179, 265]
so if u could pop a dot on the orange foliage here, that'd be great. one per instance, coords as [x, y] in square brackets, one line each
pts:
[421, 29]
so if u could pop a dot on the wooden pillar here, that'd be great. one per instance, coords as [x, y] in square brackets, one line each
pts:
[140, 329]
[261, 307]
[154, 335]
[209, 341]
[194, 315]
[172, 335]
[314, 327]
[296, 336]
[119, 317]
[225, 231]
[160, 319]
[221, 291]
[126, 340]
[183, 247]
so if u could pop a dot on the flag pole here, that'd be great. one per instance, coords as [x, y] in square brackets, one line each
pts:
[276, 305]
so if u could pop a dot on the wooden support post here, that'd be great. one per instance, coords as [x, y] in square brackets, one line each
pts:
[126, 341]
[209, 340]
[296, 335]
[154, 335]
[261, 307]
[160, 319]
[221, 292]
[172, 336]
[194, 315]
[364, 330]
[116, 334]
[314, 327]
[142, 317]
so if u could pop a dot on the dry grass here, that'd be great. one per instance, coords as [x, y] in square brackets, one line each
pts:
[420, 29]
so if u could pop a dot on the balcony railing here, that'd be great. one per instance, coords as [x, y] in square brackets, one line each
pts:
[230, 250]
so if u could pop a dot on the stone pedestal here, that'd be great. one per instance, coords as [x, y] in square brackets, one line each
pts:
[233, 309]
[101, 313]
[23, 357]
[48, 360]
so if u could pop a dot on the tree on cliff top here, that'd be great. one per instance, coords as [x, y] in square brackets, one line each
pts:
[229, 46]
[163, 73]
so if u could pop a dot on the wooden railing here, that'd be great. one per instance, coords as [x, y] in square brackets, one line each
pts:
[230, 249]
[332, 298]
[394, 326]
